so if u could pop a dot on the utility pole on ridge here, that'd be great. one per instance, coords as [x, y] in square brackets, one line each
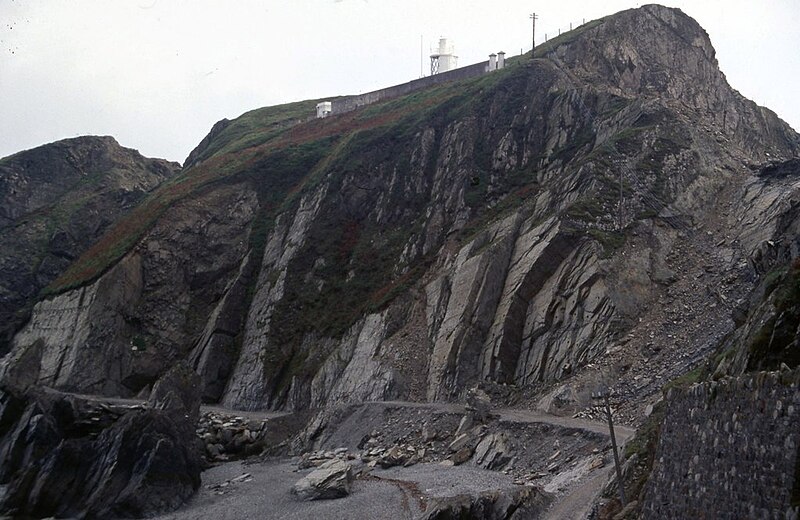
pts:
[533, 17]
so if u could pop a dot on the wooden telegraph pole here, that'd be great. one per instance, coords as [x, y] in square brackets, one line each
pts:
[602, 396]
[533, 18]
[621, 199]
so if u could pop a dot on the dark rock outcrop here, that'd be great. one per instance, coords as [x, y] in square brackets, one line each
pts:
[512, 504]
[69, 457]
[177, 393]
[202, 148]
[20, 371]
[140, 320]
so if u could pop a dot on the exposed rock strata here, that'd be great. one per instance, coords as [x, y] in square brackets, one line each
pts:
[514, 237]
[514, 504]
[117, 335]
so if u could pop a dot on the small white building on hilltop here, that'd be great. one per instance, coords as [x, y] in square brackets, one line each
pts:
[444, 67]
[324, 109]
[496, 61]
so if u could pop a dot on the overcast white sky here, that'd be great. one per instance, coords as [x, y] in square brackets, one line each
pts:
[156, 74]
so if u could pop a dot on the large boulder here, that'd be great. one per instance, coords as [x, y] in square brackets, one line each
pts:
[177, 392]
[493, 451]
[331, 480]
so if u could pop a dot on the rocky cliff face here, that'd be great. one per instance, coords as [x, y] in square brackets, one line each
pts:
[55, 201]
[520, 228]
[768, 323]
[115, 336]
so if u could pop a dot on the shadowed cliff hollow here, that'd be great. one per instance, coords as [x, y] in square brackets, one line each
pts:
[514, 228]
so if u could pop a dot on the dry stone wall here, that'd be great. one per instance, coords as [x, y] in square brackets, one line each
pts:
[729, 449]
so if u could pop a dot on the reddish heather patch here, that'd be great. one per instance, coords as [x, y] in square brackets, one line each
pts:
[129, 230]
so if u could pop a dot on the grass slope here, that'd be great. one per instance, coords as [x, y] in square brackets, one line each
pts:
[254, 138]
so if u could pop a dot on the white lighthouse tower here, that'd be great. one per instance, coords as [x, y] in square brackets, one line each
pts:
[444, 58]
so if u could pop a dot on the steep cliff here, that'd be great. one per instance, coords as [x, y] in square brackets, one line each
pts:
[523, 227]
[732, 415]
[767, 336]
[55, 201]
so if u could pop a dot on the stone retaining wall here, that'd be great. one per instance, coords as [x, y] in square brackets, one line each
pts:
[729, 449]
[349, 103]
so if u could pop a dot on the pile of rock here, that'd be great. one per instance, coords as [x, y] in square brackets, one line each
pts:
[490, 450]
[361, 462]
[593, 413]
[227, 437]
[433, 442]
[397, 455]
[315, 459]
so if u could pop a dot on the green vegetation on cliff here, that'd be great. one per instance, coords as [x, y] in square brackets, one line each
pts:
[256, 136]
[776, 342]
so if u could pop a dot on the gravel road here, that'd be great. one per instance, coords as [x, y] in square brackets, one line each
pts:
[393, 494]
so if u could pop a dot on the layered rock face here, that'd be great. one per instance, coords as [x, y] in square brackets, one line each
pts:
[768, 332]
[55, 201]
[483, 231]
[117, 335]
[535, 294]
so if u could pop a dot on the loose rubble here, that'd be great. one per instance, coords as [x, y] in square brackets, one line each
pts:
[227, 437]
[533, 454]
[222, 488]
